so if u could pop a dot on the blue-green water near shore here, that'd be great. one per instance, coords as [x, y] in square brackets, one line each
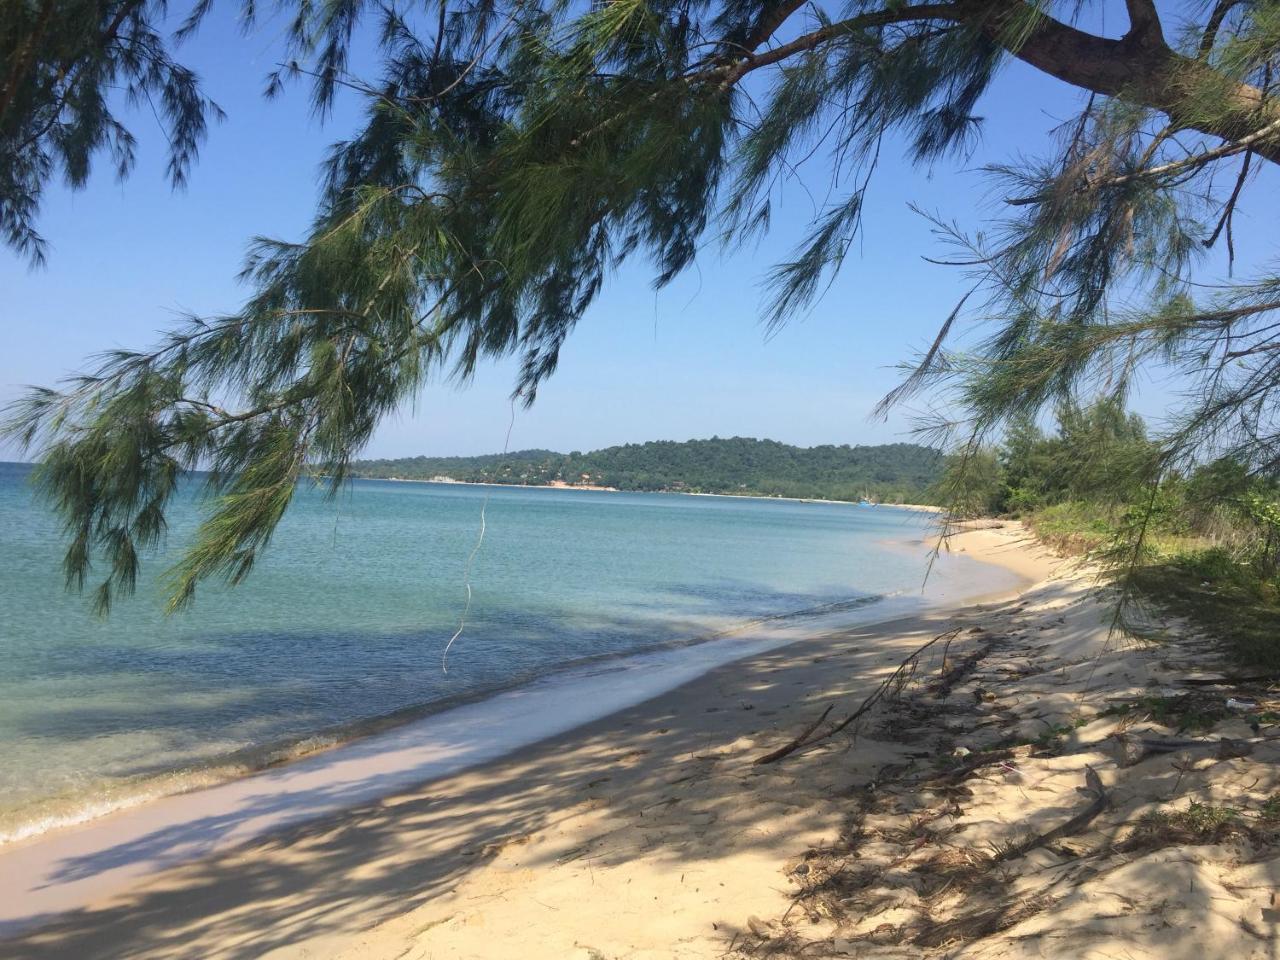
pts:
[347, 616]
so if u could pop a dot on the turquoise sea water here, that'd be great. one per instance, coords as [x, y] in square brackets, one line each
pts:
[346, 619]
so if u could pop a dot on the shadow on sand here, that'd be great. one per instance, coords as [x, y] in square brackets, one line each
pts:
[322, 881]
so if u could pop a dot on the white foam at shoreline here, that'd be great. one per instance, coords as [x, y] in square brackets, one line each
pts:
[78, 865]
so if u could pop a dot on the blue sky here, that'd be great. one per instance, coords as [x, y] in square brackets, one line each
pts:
[690, 361]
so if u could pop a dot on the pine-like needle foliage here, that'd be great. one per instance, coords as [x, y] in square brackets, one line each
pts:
[517, 151]
[66, 68]
[1119, 261]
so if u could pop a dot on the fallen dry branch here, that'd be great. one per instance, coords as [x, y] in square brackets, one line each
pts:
[959, 774]
[1093, 783]
[811, 736]
[1169, 746]
[1225, 681]
[798, 742]
[983, 923]
[909, 664]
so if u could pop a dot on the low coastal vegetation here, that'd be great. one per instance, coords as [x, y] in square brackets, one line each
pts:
[1203, 544]
[891, 473]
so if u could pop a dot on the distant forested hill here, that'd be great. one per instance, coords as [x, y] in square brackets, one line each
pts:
[897, 472]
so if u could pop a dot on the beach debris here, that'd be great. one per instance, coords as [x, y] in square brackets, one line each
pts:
[1093, 785]
[952, 674]
[494, 847]
[932, 863]
[1229, 749]
[885, 933]
[763, 930]
[1127, 749]
[1223, 681]
[1010, 770]
[981, 923]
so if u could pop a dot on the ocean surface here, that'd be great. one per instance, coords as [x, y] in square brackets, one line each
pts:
[343, 624]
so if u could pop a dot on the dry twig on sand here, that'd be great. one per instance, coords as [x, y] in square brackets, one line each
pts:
[810, 736]
[798, 742]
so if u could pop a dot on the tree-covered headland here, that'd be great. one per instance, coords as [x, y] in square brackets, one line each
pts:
[890, 473]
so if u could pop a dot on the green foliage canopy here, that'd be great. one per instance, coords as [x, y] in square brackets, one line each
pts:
[515, 151]
[1088, 482]
[1098, 453]
[63, 65]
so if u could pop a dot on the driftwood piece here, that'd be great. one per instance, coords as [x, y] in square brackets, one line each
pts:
[959, 774]
[1172, 746]
[1229, 749]
[1128, 749]
[1093, 784]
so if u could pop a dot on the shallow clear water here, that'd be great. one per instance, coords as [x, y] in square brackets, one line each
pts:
[347, 616]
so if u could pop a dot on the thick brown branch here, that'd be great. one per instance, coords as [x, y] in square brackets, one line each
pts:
[1144, 23]
[1138, 68]
[1210, 37]
[770, 22]
[23, 60]
[1133, 71]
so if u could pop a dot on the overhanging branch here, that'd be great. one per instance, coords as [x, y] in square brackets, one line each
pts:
[1139, 68]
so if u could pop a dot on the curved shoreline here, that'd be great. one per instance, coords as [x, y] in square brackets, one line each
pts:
[110, 796]
[102, 860]
[59, 813]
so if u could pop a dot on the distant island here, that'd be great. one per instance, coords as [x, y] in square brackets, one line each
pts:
[888, 473]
